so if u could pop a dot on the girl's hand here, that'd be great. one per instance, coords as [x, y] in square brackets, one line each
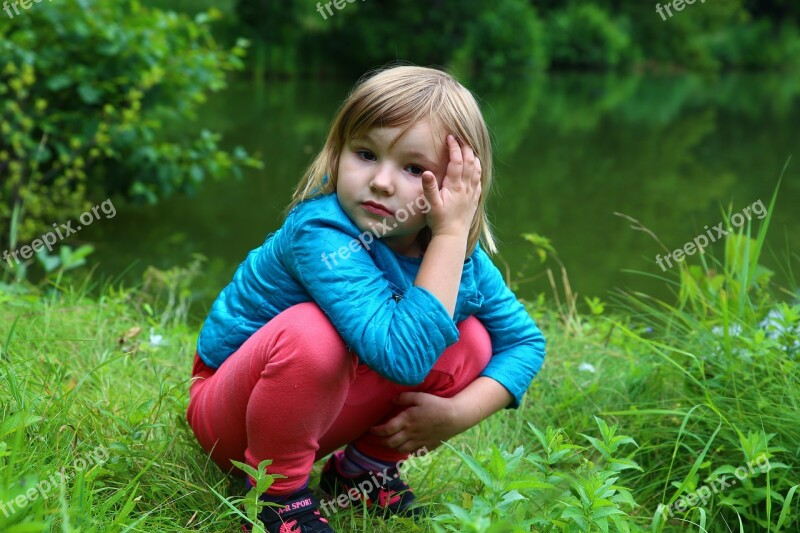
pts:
[454, 206]
[428, 421]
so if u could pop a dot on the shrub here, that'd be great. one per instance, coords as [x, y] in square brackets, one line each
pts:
[758, 44]
[89, 89]
[564, 486]
[585, 36]
[508, 36]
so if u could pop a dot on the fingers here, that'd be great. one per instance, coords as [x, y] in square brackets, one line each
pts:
[476, 178]
[407, 447]
[391, 427]
[429, 181]
[429, 187]
[464, 165]
[456, 164]
[469, 166]
[415, 445]
[391, 435]
[397, 441]
[407, 398]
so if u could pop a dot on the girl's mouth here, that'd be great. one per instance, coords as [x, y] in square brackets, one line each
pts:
[377, 209]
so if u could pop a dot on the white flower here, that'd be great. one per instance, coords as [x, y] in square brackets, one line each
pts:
[775, 324]
[734, 330]
[156, 340]
[586, 367]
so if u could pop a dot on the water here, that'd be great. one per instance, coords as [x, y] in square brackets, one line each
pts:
[571, 151]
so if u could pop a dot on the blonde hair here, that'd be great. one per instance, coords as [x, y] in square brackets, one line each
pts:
[402, 96]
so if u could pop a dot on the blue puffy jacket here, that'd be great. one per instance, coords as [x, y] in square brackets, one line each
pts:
[397, 329]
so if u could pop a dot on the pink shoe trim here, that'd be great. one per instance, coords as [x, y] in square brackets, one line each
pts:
[387, 498]
[288, 527]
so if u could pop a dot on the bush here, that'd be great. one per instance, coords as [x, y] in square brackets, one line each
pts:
[758, 44]
[507, 36]
[364, 35]
[585, 36]
[686, 39]
[560, 487]
[89, 88]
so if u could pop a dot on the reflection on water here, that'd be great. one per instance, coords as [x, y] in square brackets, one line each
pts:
[571, 150]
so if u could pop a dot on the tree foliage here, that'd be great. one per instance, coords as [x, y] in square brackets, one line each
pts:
[90, 91]
[508, 35]
[586, 36]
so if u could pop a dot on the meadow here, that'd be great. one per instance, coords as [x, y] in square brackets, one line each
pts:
[648, 414]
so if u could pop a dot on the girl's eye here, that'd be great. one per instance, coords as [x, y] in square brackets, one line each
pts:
[415, 170]
[366, 155]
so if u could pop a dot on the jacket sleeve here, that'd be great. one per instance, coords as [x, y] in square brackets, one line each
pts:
[518, 347]
[401, 338]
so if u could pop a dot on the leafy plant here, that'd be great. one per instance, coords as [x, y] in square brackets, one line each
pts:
[585, 36]
[506, 37]
[251, 501]
[90, 91]
[569, 488]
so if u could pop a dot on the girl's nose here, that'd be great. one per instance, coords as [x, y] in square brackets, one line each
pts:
[382, 180]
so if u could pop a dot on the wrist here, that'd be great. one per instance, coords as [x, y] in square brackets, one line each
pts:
[451, 240]
[460, 418]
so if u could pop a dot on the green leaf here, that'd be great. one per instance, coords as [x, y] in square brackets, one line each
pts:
[17, 421]
[48, 262]
[476, 468]
[89, 94]
[528, 484]
[58, 82]
[576, 515]
[497, 463]
[787, 506]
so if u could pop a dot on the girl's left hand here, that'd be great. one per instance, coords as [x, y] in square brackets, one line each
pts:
[428, 421]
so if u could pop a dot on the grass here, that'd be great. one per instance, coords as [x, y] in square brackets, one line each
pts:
[658, 402]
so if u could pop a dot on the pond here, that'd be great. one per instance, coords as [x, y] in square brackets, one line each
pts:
[571, 150]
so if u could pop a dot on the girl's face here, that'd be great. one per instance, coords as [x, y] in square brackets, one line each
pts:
[381, 189]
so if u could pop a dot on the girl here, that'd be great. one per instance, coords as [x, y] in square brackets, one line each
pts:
[372, 318]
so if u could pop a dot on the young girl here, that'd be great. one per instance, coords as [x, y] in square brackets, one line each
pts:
[372, 318]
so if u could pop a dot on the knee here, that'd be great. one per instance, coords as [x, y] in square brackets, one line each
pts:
[464, 361]
[476, 342]
[305, 333]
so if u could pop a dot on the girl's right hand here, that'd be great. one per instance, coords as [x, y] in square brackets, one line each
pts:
[453, 206]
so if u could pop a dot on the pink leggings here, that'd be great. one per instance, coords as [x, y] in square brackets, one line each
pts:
[293, 393]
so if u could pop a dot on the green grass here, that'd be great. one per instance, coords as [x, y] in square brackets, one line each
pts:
[696, 388]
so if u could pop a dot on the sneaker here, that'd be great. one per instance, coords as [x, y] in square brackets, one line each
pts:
[386, 489]
[299, 514]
